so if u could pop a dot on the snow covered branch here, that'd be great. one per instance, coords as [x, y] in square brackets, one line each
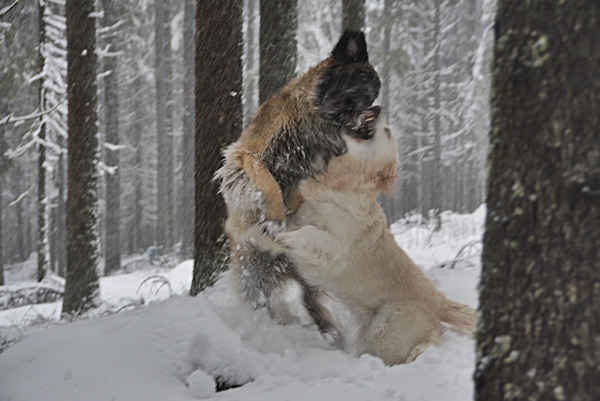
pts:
[12, 119]
[6, 9]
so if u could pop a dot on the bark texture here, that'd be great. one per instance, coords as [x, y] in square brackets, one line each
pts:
[218, 123]
[539, 332]
[353, 15]
[164, 124]
[41, 167]
[112, 252]
[278, 49]
[81, 286]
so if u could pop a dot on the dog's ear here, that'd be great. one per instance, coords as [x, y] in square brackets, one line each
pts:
[351, 48]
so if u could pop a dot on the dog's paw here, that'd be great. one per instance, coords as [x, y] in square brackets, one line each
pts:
[298, 240]
[334, 337]
[272, 228]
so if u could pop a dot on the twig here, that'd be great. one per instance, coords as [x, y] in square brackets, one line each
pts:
[6, 9]
[10, 119]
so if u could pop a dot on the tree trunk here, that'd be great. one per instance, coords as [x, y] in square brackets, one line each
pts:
[164, 125]
[539, 332]
[1, 220]
[61, 214]
[112, 254]
[251, 76]
[436, 165]
[81, 287]
[41, 167]
[187, 198]
[353, 15]
[278, 53]
[135, 229]
[218, 123]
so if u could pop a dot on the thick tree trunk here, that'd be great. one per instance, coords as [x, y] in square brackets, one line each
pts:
[539, 330]
[112, 254]
[353, 14]
[187, 196]
[278, 49]
[218, 123]
[81, 287]
[164, 125]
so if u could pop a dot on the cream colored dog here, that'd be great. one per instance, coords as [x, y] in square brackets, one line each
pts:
[340, 243]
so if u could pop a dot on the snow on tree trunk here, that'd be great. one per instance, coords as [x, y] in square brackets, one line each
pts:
[278, 49]
[539, 331]
[61, 214]
[353, 14]
[187, 197]
[81, 286]
[112, 252]
[42, 228]
[218, 123]
[164, 125]
[250, 54]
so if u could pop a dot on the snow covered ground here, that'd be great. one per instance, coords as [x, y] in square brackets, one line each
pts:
[173, 348]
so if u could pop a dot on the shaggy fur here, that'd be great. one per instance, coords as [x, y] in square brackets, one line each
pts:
[291, 137]
[341, 244]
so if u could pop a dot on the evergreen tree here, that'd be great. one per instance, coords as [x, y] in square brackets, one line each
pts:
[218, 123]
[81, 286]
[540, 285]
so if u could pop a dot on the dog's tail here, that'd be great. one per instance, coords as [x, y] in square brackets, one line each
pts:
[460, 317]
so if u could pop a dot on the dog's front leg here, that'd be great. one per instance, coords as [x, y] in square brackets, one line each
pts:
[309, 244]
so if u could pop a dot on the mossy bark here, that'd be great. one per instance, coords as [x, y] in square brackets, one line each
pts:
[218, 123]
[539, 328]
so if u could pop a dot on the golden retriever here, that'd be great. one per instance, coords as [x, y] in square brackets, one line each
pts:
[340, 243]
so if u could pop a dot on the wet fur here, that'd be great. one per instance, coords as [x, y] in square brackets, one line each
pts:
[291, 137]
[341, 244]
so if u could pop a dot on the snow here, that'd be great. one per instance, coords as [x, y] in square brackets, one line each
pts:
[173, 348]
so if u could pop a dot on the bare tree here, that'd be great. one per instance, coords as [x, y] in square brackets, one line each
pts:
[278, 54]
[81, 287]
[218, 123]
[540, 286]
